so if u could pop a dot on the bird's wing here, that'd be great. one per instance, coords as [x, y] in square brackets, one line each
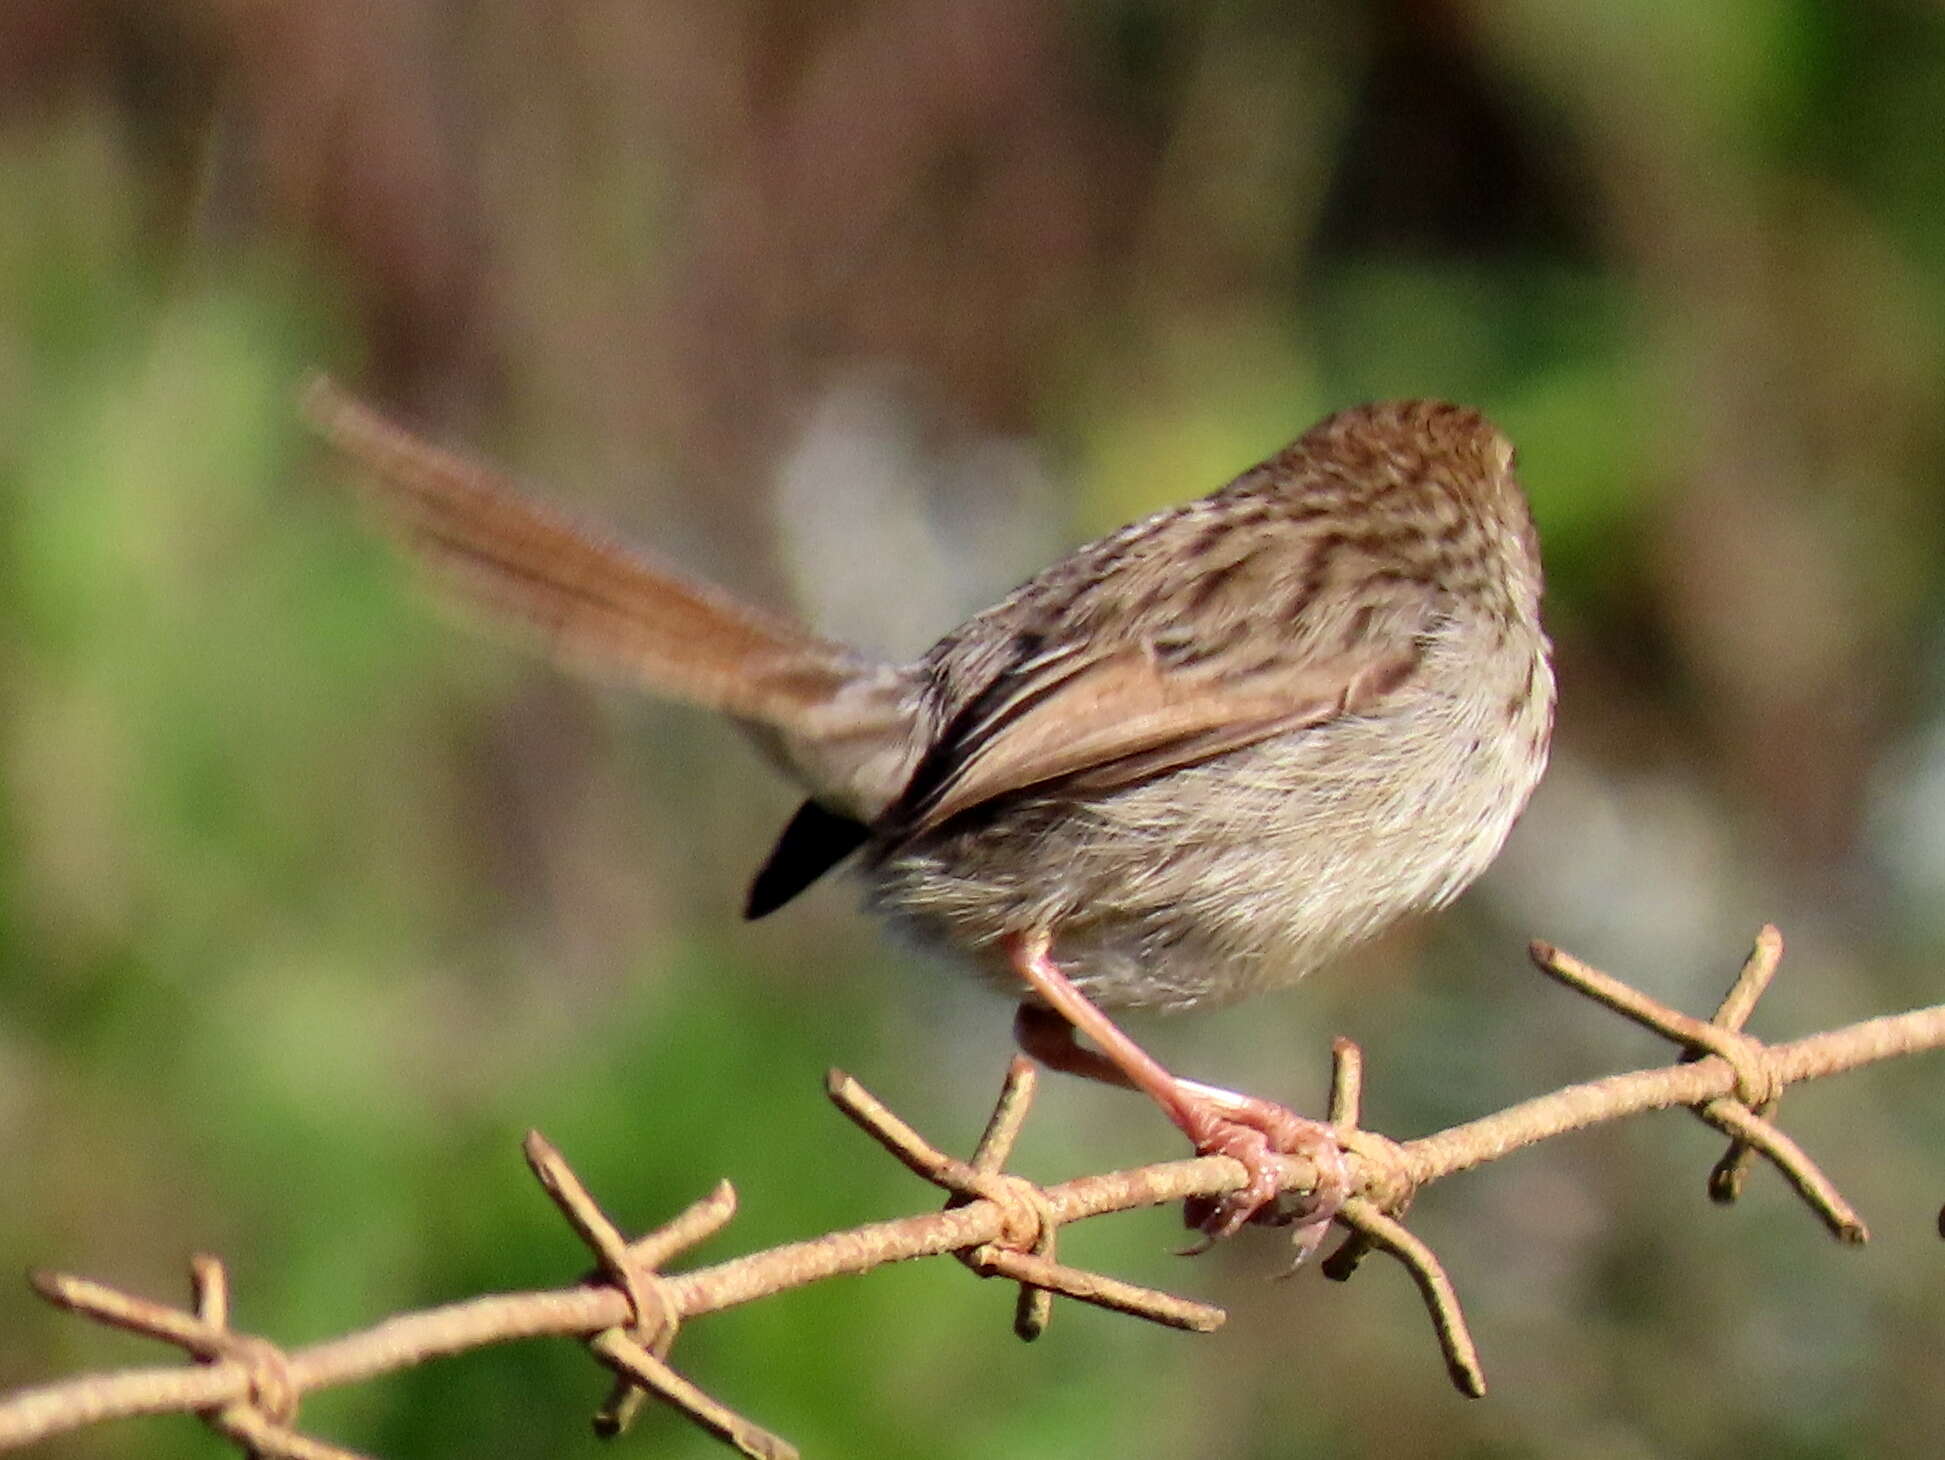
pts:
[1103, 722]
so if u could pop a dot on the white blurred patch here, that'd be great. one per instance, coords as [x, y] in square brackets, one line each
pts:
[1634, 873]
[894, 528]
[1905, 826]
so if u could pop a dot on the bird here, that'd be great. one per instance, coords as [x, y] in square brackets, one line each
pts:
[1188, 763]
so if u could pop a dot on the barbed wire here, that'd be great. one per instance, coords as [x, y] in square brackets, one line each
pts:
[998, 1224]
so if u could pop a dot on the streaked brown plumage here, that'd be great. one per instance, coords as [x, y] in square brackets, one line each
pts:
[1185, 764]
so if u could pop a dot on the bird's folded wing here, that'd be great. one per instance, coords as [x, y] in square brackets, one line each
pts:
[1123, 717]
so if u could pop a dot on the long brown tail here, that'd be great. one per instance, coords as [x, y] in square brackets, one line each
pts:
[832, 716]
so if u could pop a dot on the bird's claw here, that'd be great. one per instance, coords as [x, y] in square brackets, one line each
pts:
[1254, 1143]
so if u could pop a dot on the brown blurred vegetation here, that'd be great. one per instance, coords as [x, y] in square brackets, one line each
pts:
[309, 905]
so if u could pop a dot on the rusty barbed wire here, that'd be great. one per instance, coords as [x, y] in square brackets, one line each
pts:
[999, 1224]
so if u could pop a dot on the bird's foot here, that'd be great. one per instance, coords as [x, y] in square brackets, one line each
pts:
[1246, 1128]
[1254, 1132]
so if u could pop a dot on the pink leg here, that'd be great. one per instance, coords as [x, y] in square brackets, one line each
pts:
[1219, 1122]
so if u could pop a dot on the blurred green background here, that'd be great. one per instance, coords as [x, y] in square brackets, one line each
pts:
[310, 905]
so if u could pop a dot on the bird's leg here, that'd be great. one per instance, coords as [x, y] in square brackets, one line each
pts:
[1219, 1122]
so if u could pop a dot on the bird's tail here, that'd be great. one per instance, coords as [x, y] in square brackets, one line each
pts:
[836, 719]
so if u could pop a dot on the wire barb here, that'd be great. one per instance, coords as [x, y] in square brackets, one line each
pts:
[1386, 1187]
[1441, 1298]
[637, 1349]
[1726, 1180]
[1392, 1191]
[1745, 1114]
[1035, 1308]
[1024, 1249]
[257, 1413]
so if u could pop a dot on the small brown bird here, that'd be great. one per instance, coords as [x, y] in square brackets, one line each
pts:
[1185, 764]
